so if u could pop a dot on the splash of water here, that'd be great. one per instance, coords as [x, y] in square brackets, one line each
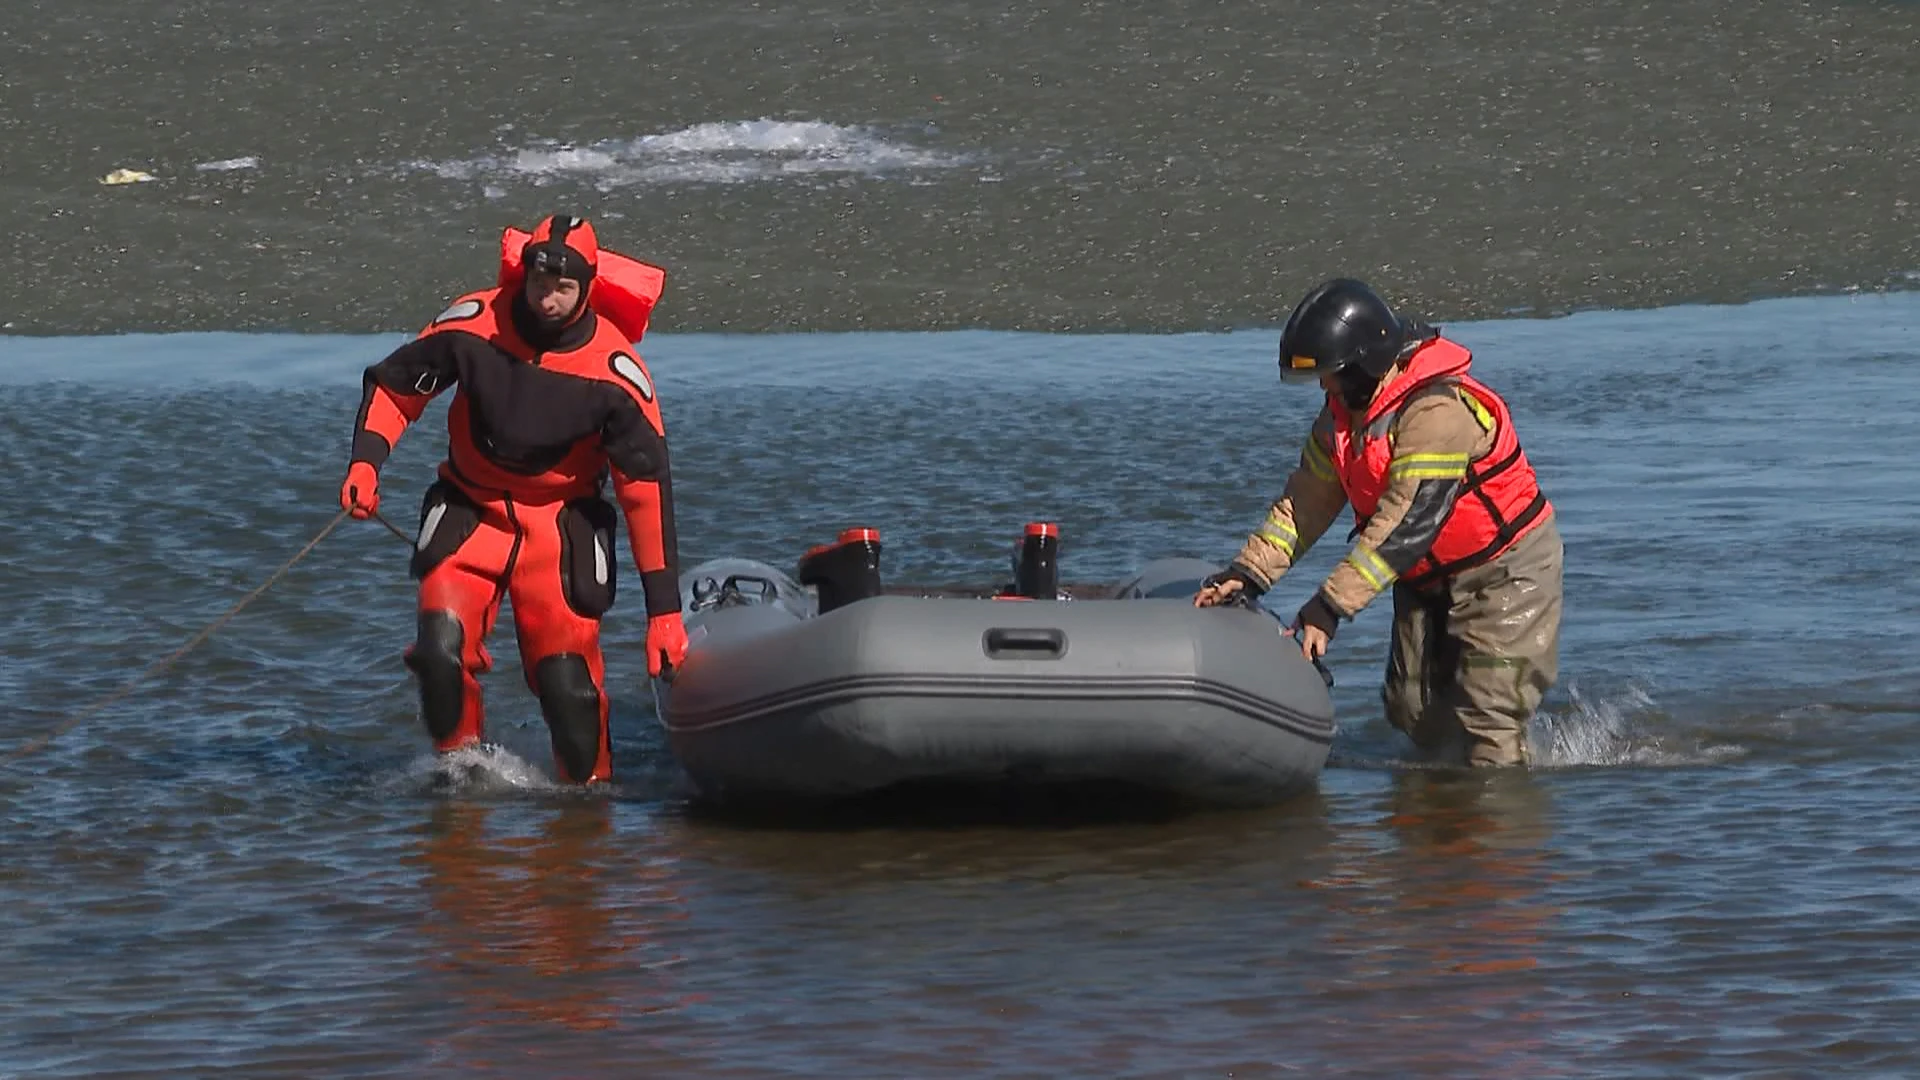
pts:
[492, 771]
[718, 153]
[1618, 728]
[1614, 730]
[482, 769]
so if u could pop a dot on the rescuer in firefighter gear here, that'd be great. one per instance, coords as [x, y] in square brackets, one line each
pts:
[550, 397]
[1448, 515]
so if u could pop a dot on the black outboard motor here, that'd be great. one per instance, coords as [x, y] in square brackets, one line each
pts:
[1036, 565]
[844, 571]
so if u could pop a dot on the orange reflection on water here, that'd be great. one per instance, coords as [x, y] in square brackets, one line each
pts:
[1440, 920]
[564, 927]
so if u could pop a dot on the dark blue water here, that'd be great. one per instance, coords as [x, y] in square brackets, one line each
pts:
[245, 868]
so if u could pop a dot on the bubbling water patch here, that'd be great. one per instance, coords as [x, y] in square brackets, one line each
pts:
[721, 152]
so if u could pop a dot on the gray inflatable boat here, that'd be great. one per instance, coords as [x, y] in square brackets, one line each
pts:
[830, 687]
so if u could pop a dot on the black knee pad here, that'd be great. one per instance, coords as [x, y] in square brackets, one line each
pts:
[571, 704]
[435, 660]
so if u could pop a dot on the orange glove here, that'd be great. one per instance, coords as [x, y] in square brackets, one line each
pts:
[666, 644]
[360, 492]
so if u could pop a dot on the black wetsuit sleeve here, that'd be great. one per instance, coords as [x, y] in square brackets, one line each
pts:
[395, 391]
[643, 484]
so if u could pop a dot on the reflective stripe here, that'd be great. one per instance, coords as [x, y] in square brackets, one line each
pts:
[1279, 532]
[1372, 567]
[430, 526]
[1516, 664]
[1480, 412]
[1318, 463]
[1427, 467]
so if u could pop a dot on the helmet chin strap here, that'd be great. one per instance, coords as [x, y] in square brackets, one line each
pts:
[1356, 388]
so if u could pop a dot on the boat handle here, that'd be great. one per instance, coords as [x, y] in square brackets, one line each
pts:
[1024, 643]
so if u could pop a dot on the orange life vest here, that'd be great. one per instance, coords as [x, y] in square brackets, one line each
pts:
[1501, 500]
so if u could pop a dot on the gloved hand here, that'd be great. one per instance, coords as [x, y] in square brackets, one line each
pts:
[360, 492]
[666, 644]
[1236, 582]
[1316, 624]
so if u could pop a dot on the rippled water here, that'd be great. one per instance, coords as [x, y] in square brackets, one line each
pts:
[247, 866]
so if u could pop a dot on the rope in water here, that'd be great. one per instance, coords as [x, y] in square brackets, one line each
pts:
[169, 660]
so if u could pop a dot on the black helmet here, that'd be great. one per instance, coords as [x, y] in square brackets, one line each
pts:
[1341, 324]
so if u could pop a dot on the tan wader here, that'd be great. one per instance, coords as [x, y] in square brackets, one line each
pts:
[1473, 654]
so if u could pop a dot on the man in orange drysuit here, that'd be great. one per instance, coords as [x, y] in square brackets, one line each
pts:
[550, 398]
